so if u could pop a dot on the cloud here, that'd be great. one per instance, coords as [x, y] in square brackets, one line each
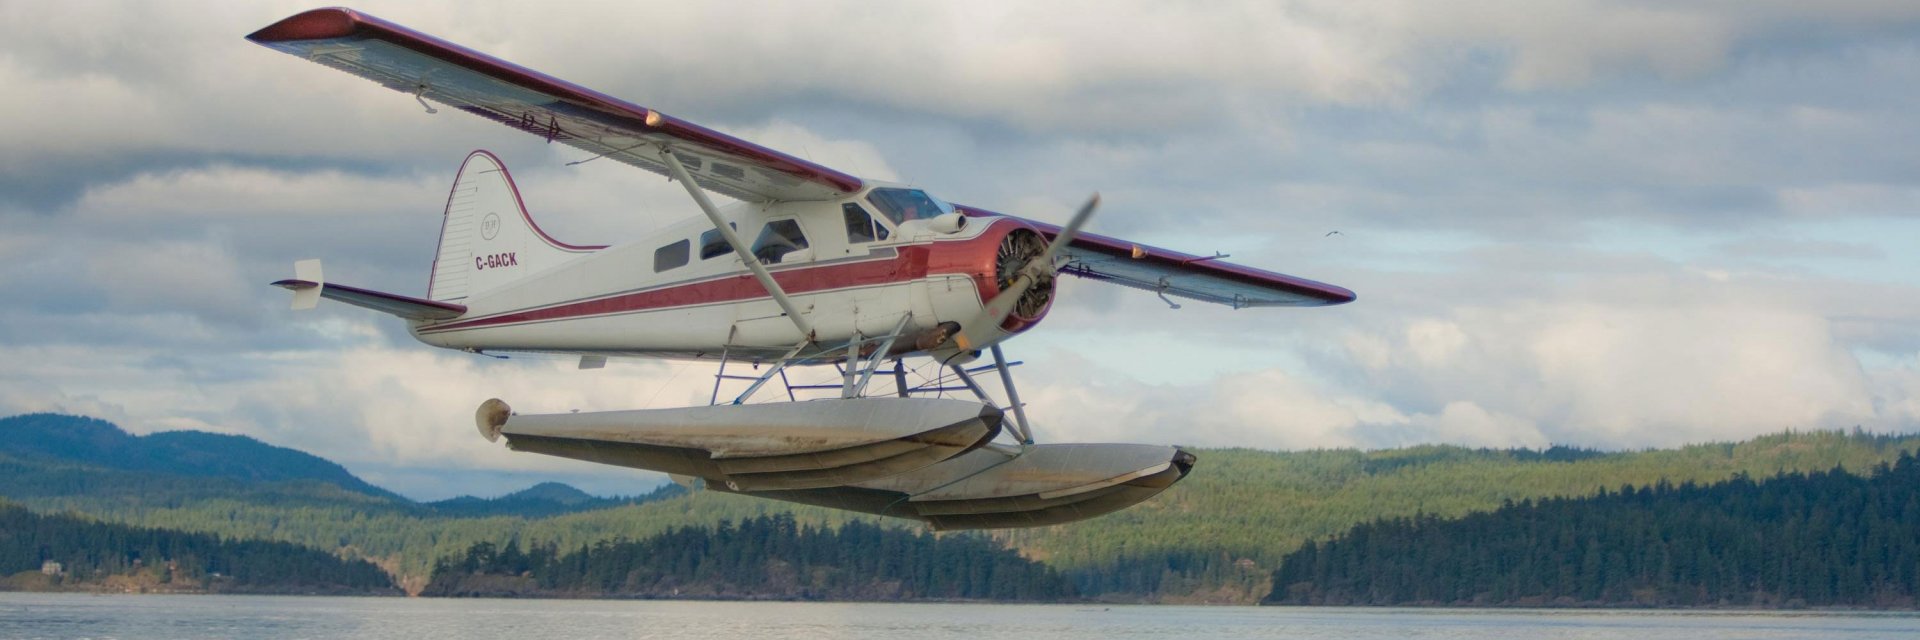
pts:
[365, 404]
[199, 194]
[1603, 223]
[1779, 248]
[171, 276]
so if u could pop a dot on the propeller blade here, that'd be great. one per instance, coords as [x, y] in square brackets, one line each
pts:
[1072, 229]
[973, 331]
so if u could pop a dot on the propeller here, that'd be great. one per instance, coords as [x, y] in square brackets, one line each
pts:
[975, 331]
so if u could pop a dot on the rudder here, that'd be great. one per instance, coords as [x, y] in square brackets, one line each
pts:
[487, 239]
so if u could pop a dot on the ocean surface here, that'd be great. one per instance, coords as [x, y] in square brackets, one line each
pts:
[24, 615]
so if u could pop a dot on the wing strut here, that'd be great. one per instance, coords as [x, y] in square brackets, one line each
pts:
[739, 248]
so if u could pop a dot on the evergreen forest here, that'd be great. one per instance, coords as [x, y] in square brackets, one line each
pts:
[89, 555]
[1217, 537]
[763, 557]
[1816, 539]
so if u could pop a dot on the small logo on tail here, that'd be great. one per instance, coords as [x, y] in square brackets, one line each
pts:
[490, 226]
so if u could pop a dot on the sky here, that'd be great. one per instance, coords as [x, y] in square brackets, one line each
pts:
[1604, 224]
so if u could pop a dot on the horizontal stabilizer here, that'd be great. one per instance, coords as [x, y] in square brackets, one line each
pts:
[307, 297]
[407, 307]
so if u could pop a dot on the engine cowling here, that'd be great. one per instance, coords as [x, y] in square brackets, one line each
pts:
[1021, 246]
[992, 258]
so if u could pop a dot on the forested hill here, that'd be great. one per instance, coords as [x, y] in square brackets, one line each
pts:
[1218, 535]
[47, 553]
[60, 457]
[1818, 539]
[47, 437]
[1215, 537]
[768, 557]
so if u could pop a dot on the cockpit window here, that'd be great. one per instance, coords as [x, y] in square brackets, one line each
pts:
[860, 226]
[901, 205]
[778, 239]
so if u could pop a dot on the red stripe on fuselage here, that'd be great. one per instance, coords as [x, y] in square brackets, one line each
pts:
[909, 264]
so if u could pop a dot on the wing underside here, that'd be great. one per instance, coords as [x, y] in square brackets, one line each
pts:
[433, 69]
[1181, 275]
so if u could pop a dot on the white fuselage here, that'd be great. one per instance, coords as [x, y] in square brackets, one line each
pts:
[639, 299]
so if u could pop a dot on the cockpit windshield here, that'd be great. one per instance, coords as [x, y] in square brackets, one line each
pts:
[901, 205]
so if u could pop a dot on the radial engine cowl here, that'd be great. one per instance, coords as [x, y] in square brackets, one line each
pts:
[1017, 250]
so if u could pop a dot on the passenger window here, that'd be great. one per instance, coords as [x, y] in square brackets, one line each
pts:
[778, 239]
[713, 244]
[860, 226]
[672, 256]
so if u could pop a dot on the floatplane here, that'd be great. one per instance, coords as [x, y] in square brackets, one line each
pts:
[806, 267]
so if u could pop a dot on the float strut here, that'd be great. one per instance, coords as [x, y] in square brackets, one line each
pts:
[1013, 396]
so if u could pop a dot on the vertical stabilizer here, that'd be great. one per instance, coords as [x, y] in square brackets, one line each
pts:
[487, 239]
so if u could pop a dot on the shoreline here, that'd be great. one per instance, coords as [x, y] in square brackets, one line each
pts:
[1053, 603]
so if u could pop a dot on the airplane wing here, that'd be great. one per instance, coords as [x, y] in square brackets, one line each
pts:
[1203, 278]
[433, 69]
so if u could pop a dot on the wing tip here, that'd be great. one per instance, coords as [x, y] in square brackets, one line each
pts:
[1337, 294]
[315, 24]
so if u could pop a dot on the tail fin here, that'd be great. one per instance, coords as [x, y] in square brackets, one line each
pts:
[487, 238]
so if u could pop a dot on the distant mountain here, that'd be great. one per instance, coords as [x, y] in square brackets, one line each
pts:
[47, 437]
[543, 500]
[46, 455]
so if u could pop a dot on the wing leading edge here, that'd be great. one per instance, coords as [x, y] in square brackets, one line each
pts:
[433, 69]
[1203, 278]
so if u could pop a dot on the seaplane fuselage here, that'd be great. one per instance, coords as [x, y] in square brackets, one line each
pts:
[855, 267]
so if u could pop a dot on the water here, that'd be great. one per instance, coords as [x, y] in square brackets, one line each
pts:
[289, 618]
